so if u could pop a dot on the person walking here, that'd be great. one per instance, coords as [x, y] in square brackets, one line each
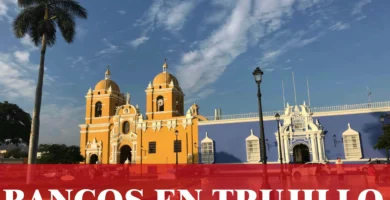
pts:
[340, 170]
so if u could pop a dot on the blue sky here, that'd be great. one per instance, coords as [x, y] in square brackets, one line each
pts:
[212, 46]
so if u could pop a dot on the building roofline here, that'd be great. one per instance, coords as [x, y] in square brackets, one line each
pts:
[317, 112]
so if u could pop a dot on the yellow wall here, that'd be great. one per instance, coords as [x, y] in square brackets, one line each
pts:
[164, 139]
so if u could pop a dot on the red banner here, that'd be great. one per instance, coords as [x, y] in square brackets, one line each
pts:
[194, 182]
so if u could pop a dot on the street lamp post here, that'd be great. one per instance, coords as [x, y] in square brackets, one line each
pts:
[176, 147]
[277, 116]
[258, 78]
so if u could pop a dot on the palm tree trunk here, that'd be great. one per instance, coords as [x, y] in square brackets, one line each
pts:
[34, 135]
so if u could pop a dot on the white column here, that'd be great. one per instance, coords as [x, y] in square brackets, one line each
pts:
[286, 147]
[320, 154]
[282, 148]
[313, 147]
[323, 146]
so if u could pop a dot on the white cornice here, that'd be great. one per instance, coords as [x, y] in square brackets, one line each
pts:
[99, 125]
[95, 131]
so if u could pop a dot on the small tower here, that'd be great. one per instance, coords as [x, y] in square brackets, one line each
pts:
[164, 97]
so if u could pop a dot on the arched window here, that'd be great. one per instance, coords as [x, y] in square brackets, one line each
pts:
[98, 109]
[125, 127]
[252, 148]
[207, 150]
[160, 104]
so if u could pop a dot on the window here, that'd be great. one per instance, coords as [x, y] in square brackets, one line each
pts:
[207, 150]
[352, 147]
[152, 147]
[177, 146]
[252, 148]
[125, 127]
[160, 104]
[98, 109]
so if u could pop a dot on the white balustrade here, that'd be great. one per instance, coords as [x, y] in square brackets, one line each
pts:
[364, 106]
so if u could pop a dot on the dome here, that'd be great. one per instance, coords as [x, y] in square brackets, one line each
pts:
[165, 78]
[105, 85]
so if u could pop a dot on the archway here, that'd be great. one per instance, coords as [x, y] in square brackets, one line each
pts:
[125, 153]
[301, 154]
[93, 159]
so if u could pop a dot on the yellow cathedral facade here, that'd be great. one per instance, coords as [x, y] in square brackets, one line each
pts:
[116, 132]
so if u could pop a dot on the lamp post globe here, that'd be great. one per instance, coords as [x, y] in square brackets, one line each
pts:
[277, 116]
[258, 75]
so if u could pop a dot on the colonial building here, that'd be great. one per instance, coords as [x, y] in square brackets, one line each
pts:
[306, 135]
[115, 131]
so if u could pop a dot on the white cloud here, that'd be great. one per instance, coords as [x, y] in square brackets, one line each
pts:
[59, 123]
[16, 80]
[283, 42]
[26, 41]
[361, 17]
[135, 43]
[246, 24]
[112, 49]
[122, 12]
[22, 56]
[357, 9]
[5, 6]
[170, 14]
[287, 68]
[288, 60]
[339, 26]
[217, 17]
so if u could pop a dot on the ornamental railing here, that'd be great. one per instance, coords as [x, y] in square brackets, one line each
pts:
[364, 106]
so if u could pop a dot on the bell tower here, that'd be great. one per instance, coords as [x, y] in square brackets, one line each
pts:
[102, 101]
[164, 97]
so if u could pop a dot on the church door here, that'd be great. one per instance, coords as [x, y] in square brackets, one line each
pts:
[301, 154]
[125, 153]
[93, 159]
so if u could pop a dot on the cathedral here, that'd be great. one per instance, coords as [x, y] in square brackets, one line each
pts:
[116, 132]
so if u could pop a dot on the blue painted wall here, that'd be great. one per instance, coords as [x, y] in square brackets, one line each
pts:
[230, 146]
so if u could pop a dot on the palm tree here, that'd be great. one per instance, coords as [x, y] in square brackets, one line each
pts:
[39, 19]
